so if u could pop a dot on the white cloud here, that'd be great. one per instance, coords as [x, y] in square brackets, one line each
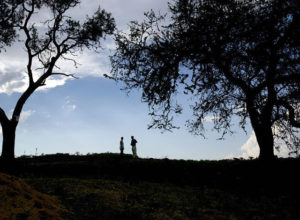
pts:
[53, 82]
[10, 87]
[251, 148]
[210, 118]
[25, 115]
[12, 77]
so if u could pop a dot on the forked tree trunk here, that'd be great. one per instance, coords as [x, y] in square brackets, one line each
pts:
[8, 144]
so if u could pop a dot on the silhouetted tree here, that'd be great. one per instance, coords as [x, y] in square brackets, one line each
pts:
[233, 57]
[45, 46]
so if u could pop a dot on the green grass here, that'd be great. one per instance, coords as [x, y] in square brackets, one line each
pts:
[106, 186]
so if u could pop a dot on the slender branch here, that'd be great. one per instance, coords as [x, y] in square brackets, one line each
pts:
[109, 77]
[44, 63]
[55, 28]
[75, 63]
[28, 39]
[65, 74]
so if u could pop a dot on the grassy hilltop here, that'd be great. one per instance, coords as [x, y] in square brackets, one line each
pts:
[107, 186]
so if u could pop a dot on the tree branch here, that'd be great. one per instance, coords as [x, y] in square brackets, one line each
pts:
[234, 80]
[28, 39]
[277, 80]
[291, 115]
[3, 117]
[109, 77]
[65, 74]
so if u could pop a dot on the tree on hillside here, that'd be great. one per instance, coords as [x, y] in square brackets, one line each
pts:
[235, 58]
[59, 38]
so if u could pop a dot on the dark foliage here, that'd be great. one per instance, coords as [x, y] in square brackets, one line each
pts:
[235, 58]
[10, 16]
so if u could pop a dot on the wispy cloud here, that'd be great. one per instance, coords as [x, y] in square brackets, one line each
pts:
[69, 104]
[25, 115]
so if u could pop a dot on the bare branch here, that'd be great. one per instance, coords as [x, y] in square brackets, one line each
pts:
[109, 77]
[76, 64]
[65, 74]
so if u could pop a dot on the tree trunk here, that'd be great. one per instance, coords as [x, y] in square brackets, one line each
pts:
[264, 137]
[8, 144]
[265, 140]
[262, 127]
[9, 126]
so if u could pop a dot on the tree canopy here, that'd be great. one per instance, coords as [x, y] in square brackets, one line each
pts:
[236, 58]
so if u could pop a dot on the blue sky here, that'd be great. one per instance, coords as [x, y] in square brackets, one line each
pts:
[90, 114]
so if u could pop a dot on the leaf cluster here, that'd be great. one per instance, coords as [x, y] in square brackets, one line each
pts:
[10, 15]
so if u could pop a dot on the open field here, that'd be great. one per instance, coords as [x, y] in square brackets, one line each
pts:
[106, 186]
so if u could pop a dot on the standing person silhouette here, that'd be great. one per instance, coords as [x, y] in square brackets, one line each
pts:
[133, 145]
[121, 146]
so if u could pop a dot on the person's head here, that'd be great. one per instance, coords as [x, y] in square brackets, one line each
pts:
[132, 137]
[121, 138]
